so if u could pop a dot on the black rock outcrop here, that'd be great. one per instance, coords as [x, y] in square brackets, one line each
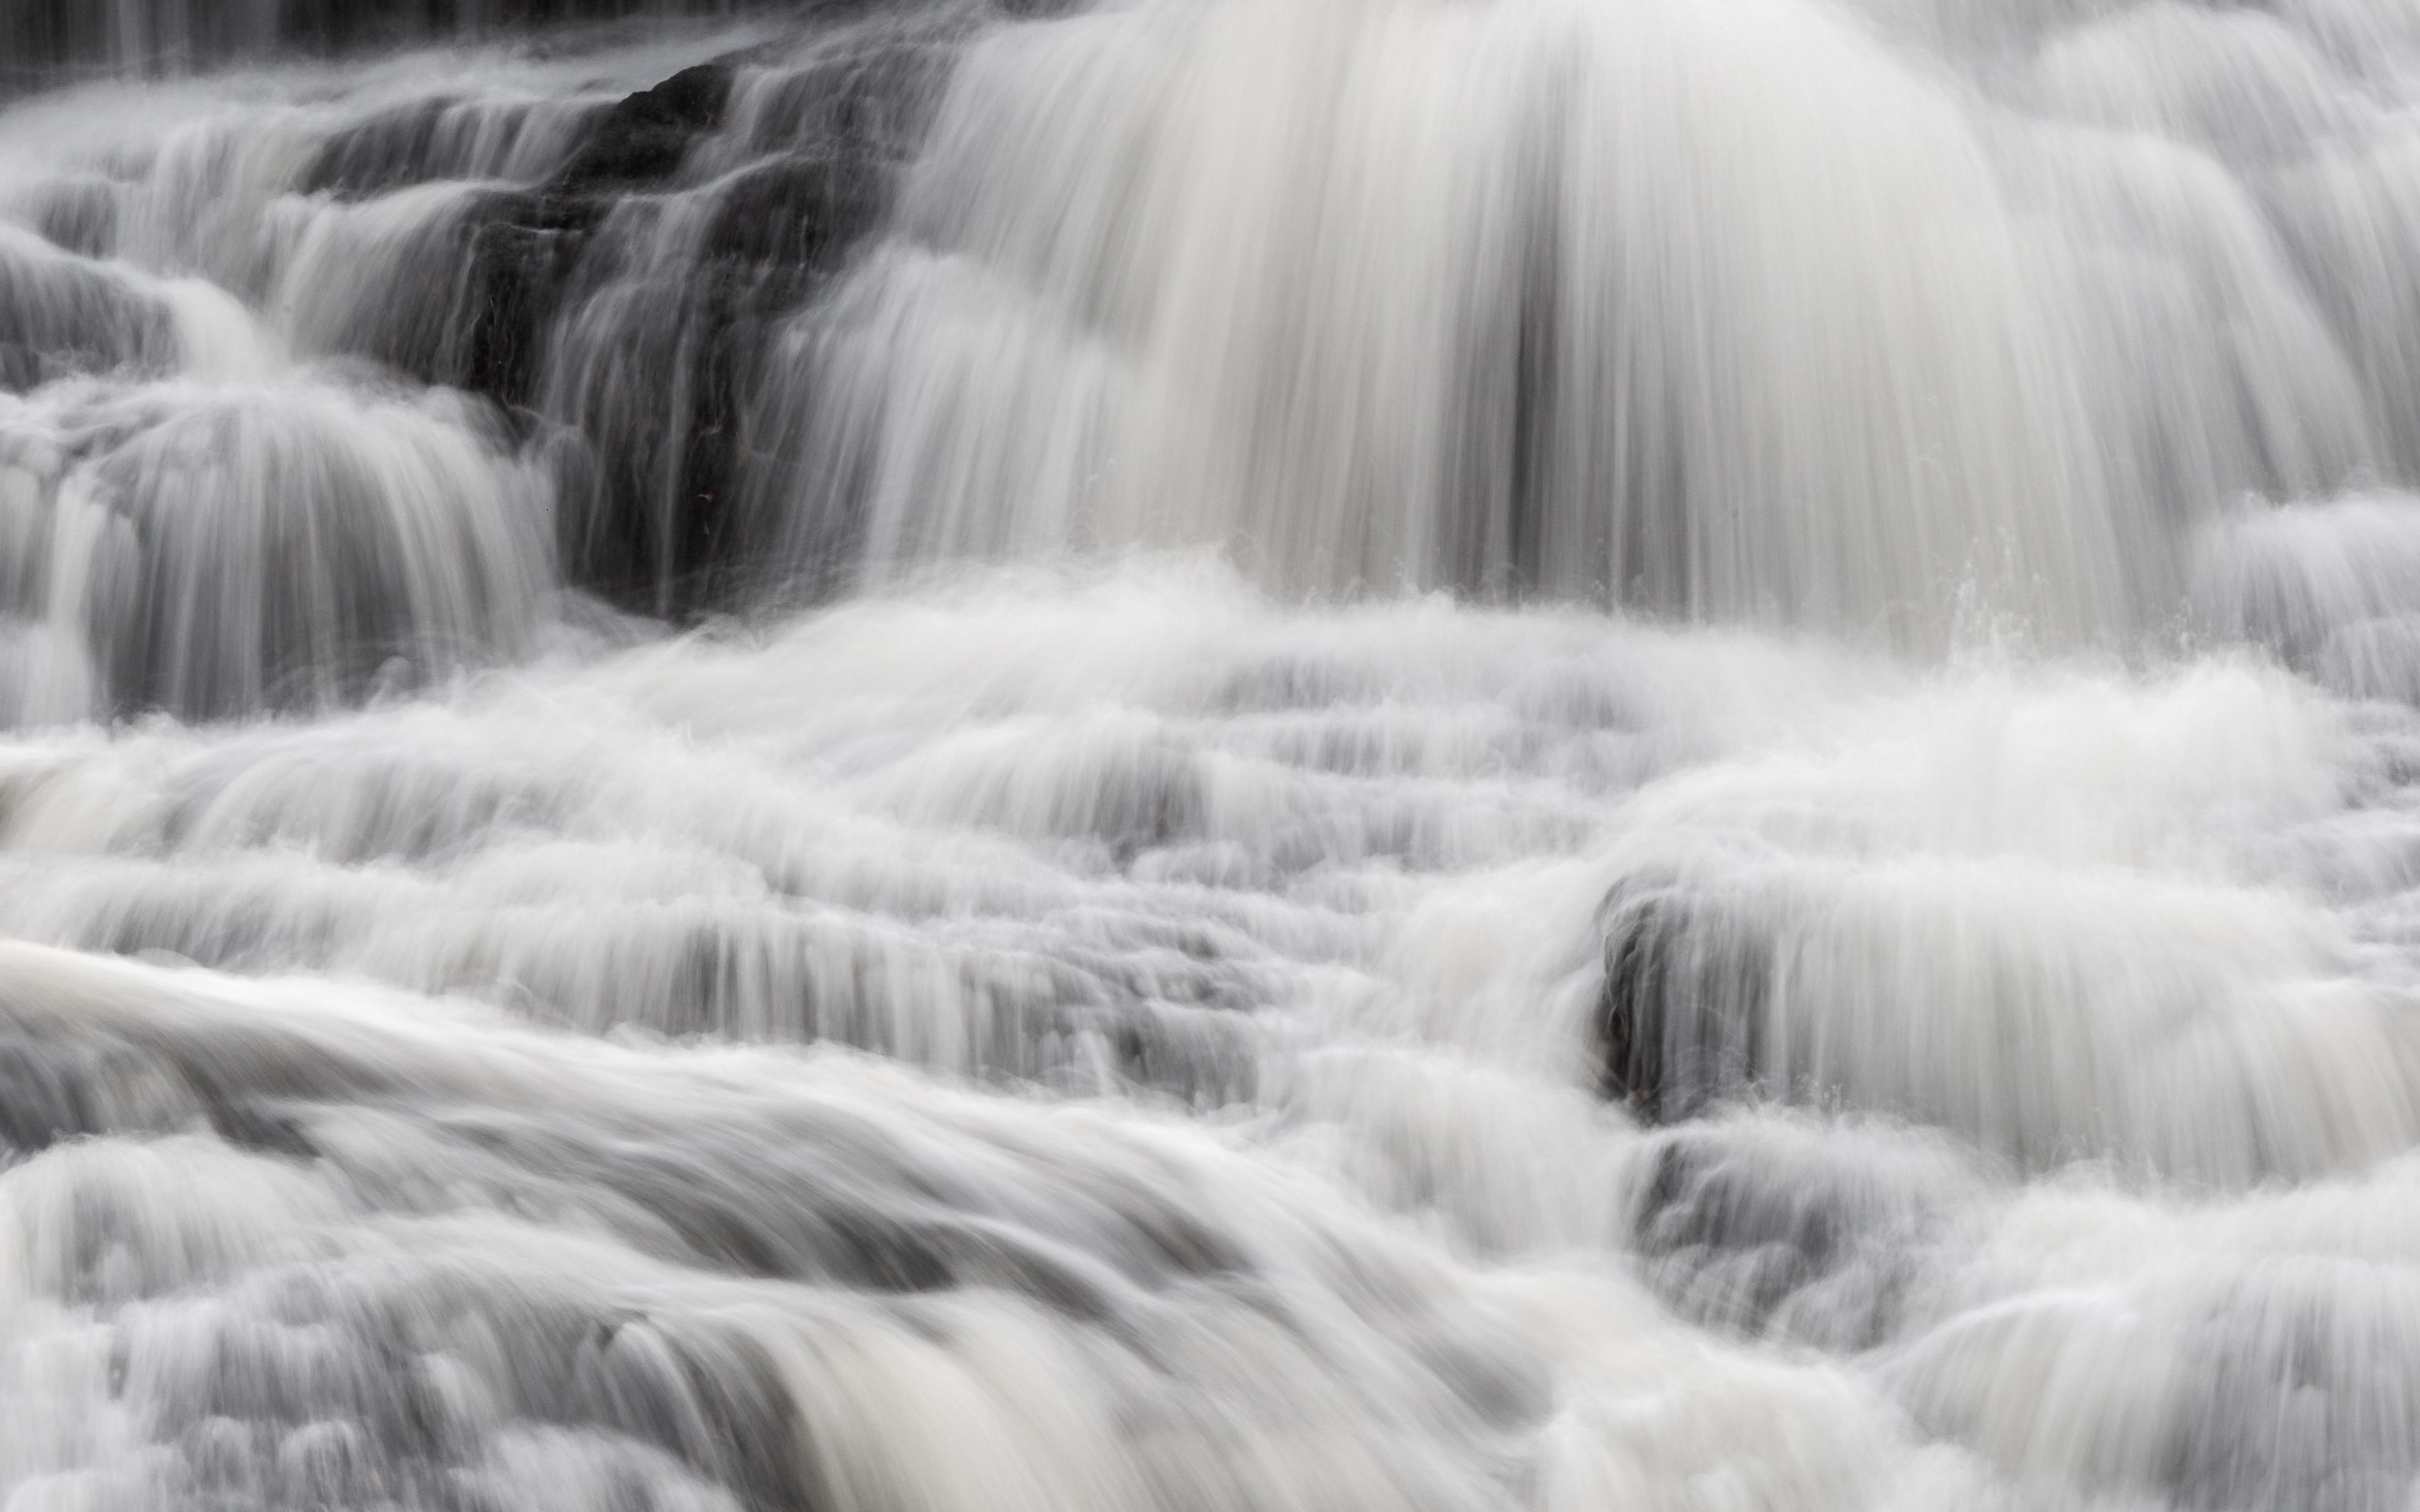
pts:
[1680, 1020]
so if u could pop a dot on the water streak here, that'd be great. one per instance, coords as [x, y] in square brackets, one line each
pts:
[1211, 754]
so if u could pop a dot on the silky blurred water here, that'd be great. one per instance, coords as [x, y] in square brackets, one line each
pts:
[1211, 754]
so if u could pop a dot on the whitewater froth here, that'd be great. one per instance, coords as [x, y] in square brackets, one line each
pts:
[1210, 754]
[1745, 311]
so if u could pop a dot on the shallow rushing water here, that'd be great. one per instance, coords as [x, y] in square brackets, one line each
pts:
[1357, 754]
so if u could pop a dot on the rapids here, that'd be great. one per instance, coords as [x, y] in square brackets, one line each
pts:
[1211, 755]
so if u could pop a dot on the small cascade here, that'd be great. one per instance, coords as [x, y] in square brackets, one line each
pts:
[1219, 755]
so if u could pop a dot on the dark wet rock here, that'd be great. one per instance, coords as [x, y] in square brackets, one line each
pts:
[653, 352]
[474, 289]
[644, 138]
[1680, 1018]
[799, 213]
[1790, 1230]
[496, 277]
[677, 308]
[879, 98]
[519, 254]
[640, 375]
[670, 376]
[386, 152]
[626, 306]
[623, 308]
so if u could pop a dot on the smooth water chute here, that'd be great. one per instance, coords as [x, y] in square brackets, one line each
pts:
[1750, 312]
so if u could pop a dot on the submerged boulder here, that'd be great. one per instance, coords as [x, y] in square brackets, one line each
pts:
[1769, 1226]
[61, 315]
[626, 297]
[1680, 1020]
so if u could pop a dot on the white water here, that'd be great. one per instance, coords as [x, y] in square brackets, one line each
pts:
[1358, 753]
[1743, 310]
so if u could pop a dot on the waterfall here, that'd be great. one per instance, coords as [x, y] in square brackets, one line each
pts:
[1735, 312]
[1210, 754]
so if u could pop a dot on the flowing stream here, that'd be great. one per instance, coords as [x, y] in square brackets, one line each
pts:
[1210, 755]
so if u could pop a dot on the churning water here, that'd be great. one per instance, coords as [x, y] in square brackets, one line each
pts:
[1210, 755]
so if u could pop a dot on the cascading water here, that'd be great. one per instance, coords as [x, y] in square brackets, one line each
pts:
[1210, 754]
